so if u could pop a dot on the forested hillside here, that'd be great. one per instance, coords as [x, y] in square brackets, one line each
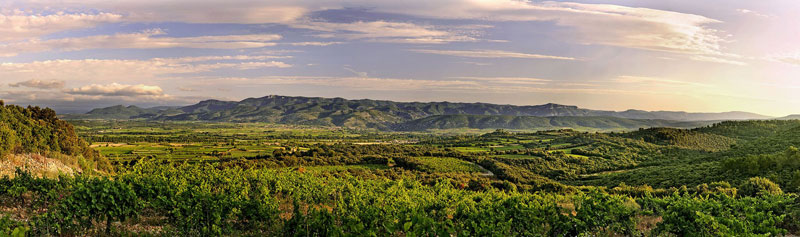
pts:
[388, 114]
[38, 130]
[683, 138]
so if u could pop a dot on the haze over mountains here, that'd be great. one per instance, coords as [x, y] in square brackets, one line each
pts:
[383, 114]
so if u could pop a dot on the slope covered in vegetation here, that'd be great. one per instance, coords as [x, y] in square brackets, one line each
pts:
[683, 138]
[387, 114]
[537, 123]
[38, 130]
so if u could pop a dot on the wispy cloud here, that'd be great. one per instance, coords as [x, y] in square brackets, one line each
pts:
[752, 13]
[357, 73]
[141, 40]
[386, 31]
[656, 81]
[490, 54]
[18, 25]
[791, 58]
[313, 43]
[39, 84]
[190, 11]
[96, 70]
[600, 24]
[507, 80]
[715, 59]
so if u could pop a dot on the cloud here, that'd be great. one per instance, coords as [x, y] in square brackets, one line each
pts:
[97, 70]
[600, 24]
[354, 83]
[314, 43]
[187, 89]
[40, 84]
[190, 11]
[76, 103]
[717, 60]
[115, 89]
[141, 40]
[507, 80]
[787, 58]
[18, 25]
[457, 85]
[357, 73]
[752, 13]
[222, 58]
[595, 24]
[656, 81]
[477, 63]
[256, 65]
[604, 24]
[489, 54]
[385, 31]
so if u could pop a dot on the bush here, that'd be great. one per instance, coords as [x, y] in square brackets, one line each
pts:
[760, 186]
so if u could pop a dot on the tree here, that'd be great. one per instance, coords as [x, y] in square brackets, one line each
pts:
[8, 139]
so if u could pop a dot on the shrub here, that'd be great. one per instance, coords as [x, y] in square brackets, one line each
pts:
[760, 186]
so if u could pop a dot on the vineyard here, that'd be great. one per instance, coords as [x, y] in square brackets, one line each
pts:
[205, 199]
[258, 179]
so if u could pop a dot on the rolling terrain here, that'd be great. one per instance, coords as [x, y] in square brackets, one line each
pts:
[409, 115]
[538, 123]
[179, 178]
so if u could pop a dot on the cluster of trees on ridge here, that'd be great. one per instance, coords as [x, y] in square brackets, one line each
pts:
[38, 130]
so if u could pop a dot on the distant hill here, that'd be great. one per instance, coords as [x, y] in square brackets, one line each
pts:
[122, 112]
[790, 117]
[538, 123]
[387, 114]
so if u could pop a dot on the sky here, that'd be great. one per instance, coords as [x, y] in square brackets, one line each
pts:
[675, 55]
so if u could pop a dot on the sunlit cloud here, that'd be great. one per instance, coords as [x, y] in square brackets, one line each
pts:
[752, 13]
[18, 25]
[713, 59]
[39, 84]
[384, 31]
[490, 54]
[792, 58]
[115, 89]
[191, 11]
[656, 81]
[141, 40]
[97, 70]
[508, 80]
[312, 43]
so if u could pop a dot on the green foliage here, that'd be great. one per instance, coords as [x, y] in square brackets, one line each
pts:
[9, 139]
[721, 215]
[438, 164]
[760, 186]
[34, 129]
[91, 201]
[597, 212]
[682, 138]
[11, 228]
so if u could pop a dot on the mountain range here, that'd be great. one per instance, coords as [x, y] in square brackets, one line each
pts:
[383, 114]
